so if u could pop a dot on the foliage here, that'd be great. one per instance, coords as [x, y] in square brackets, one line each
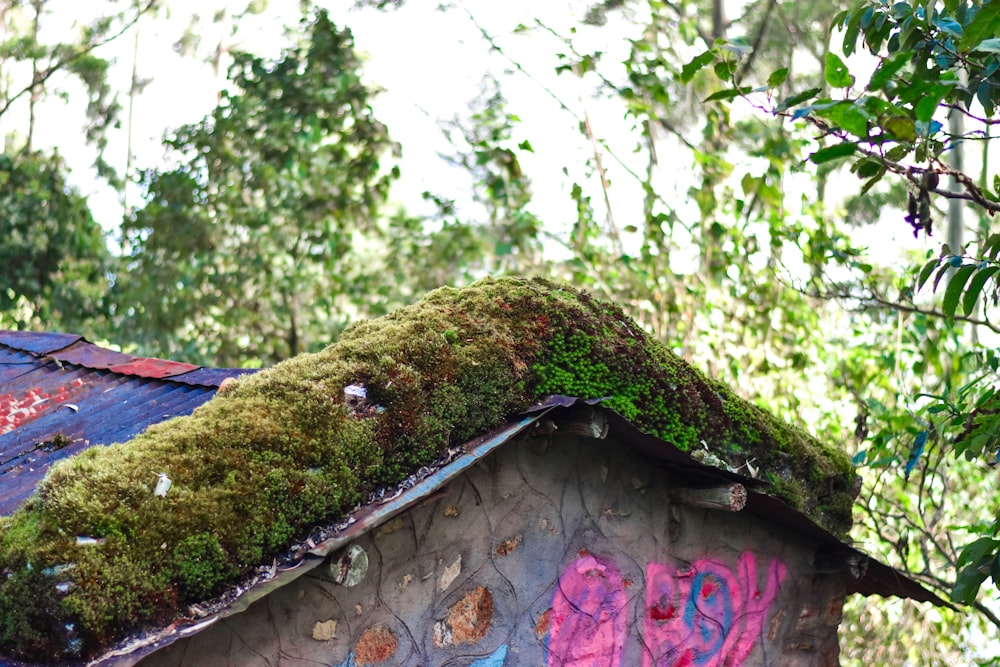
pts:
[54, 259]
[53, 67]
[492, 231]
[242, 250]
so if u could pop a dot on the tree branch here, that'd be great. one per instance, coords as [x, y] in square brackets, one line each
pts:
[874, 298]
[757, 41]
[42, 76]
[558, 100]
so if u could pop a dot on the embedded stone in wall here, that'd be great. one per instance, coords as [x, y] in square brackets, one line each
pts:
[468, 619]
[376, 644]
[510, 545]
[450, 574]
[324, 631]
[350, 567]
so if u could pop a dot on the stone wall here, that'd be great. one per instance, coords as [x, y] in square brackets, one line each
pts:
[552, 551]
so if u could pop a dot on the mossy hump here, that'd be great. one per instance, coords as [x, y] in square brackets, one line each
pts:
[287, 449]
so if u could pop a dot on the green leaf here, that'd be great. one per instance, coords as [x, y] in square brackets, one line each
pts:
[847, 115]
[953, 291]
[991, 247]
[900, 127]
[969, 581]
[836, 72]
[976, 287]
[833, 152]
[724, 69]
[693, 67]
[991, 45]
[929, 98]
[867, 167]
[897, 153]
[777, 77]
[941, 274]
[727, 94]
[982, 27]
[798, 98]
[853, 29]
[925, 272]
[887, 69]
[976, 550]
[526, 146]
[870, 183]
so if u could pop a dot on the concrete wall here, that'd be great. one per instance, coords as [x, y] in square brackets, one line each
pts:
[553, 551]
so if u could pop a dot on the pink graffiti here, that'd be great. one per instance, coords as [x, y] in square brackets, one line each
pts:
[588, 618]
[16, 411]
[706, 615]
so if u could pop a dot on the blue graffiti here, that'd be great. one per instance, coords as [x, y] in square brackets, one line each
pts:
[495, 659]
[709, 612]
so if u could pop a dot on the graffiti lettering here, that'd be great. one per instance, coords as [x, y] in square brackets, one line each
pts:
[706, 615]
[588, 617]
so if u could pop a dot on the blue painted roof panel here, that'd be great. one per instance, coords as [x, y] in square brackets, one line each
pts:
[60, 395]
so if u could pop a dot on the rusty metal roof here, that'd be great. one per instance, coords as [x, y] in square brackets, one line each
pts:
[60, 395]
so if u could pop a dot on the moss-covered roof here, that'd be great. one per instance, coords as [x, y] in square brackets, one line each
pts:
[95, 552]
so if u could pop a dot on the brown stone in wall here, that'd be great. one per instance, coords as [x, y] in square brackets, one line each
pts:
[509, 545]
[376, 644]
[468, 619]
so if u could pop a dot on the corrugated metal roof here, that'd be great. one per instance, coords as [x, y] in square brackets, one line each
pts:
[60, 395]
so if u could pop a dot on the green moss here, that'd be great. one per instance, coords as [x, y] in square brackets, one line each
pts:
[284, 451]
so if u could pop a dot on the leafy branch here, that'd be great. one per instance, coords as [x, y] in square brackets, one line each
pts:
[42, 76]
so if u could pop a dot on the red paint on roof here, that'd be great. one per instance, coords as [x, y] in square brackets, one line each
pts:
[60, 395]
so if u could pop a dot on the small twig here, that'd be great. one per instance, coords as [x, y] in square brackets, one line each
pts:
[895, 305]
[548, 91]
[43, 76]
[961, 109]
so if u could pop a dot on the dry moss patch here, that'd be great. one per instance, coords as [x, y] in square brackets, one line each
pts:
[283, 451]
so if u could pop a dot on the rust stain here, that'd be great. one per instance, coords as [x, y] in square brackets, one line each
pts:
[775, 627]
[468, 620]
[510, 545]
[16, 411]
[376, 644]
[542, 625]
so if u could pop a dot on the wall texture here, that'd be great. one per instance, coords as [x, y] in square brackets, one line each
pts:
[553, 551]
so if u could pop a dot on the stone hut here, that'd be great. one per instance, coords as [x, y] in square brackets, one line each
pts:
[563, 534]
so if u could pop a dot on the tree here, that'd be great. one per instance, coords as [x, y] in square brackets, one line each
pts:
[54, 261]
[51, 65]
[243, 251]
[934, 62]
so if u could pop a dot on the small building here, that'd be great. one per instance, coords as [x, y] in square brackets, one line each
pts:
[566, 536]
